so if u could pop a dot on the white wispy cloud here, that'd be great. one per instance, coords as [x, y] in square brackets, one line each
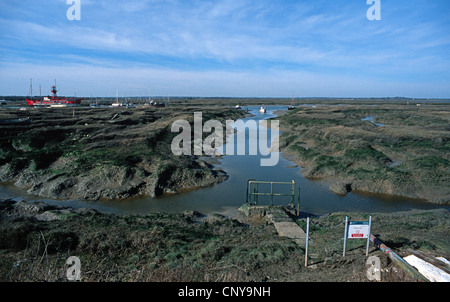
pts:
[327, 41]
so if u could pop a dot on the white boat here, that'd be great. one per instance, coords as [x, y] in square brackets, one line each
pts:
[117, 104]
[59, 105]
[237, 107]
[262, 109]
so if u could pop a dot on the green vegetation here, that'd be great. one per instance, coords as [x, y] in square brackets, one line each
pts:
[407, 156]
[304, 153]
[109, 153]
[326, 162]
[154, 247]
[431, 162]
[366, 154]
[191, 247]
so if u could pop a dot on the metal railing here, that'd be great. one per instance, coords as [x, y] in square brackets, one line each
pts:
[253, 191]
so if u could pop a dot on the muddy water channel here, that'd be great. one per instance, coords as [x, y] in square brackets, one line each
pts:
[315, 196]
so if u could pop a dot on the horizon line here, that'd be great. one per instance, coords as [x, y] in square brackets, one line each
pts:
[252, 97]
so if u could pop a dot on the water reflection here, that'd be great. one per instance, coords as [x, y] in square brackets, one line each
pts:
[370, 119]
[315, 196]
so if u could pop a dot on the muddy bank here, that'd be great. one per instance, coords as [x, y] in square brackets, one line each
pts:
[102, 153]
[36, 239]
[405, 152]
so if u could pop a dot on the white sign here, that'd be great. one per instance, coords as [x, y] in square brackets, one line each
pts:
[358, 230]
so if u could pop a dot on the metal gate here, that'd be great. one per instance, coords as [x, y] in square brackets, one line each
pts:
[252, 192]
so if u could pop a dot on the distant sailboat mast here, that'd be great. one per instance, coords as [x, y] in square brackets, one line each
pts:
[31, 88]
[292, 102]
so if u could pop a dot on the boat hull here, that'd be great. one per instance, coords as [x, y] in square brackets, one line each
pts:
[53, 101]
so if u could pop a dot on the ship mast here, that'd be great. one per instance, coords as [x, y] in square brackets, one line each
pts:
[54, 90]
[31, 88]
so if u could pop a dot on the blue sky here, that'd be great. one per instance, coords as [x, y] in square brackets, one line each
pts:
[237, 48]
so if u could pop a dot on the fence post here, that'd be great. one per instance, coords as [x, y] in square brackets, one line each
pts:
[345, 235]
[293, 192]
[307, 239]
[256, 191]
[271, 194]
[247, 193]
[368, 237]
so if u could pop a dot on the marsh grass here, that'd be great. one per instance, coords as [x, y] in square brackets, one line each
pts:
[68, 156]
[410, 152]
[159, 247]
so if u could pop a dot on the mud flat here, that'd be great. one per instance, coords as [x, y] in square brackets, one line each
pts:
[395, 149]
[102, 153]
